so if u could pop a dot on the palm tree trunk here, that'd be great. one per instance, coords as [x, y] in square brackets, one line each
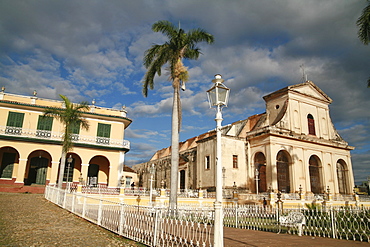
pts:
[61, 169]
[174, 150]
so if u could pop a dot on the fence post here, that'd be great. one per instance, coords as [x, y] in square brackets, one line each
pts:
[156, 210]
[57, 197]
[332, 222]
[236, 216]
[73, 203]
[100, 211]
[84, 208]
[121, 220]
[64, 199]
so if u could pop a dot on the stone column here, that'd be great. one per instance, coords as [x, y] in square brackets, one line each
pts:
[84, 170]
[201, 194]
[21, 171]
[54, 172]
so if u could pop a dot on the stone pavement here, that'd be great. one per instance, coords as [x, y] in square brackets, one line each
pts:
[240, 238]
[30, 220]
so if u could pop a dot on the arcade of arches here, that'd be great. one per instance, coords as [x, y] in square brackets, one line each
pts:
[38, 167]
[286, 183]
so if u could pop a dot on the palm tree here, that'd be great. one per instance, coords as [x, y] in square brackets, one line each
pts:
[70, 116]
[180, 45]
[363, 22]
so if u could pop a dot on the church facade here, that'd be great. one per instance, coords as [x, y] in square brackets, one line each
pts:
[291, 147]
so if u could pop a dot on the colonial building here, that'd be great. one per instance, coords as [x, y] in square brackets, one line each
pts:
[30, 145]
[292, 146]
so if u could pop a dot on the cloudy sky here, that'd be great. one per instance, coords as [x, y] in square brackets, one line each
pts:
[94, 50]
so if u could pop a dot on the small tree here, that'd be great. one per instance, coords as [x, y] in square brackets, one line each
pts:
[70, 115]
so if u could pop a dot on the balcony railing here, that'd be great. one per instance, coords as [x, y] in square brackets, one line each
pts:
[57, 136]
[13, 130]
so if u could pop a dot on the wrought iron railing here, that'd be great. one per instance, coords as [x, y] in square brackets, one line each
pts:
[100, 189]
[364, 198]
[143, 223]
[57, 136]
[188, 193]
[340, 197]
[152, 226]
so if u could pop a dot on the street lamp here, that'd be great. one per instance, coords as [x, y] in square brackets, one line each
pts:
[257, 173]
[218, 96]
[151, 171]
[69, 162]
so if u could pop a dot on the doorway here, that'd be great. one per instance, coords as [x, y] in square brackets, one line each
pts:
[182, 179]
[38, 171]
[7, 164]
[92, 175]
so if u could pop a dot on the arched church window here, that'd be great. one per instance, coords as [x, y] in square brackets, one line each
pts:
[283, 177]
[314, 169]
[260, 165]
[341, 175]
[311, 125]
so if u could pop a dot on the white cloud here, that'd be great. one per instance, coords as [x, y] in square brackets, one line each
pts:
[95, 50]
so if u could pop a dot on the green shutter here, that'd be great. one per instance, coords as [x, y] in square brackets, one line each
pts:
[75, 128]
[45, 123]
[103, 130]
[15, 119]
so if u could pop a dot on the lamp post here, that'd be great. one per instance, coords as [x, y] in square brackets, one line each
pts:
[218, 96]
[151, 171]
[69, 162]
[257, 173]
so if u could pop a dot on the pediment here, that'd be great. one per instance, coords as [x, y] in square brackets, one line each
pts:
[310, 89]
[307, 88]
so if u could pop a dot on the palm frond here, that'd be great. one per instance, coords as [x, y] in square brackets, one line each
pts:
[70, 115]
[363, 22]
[199, 35]
[179, 45]
[165, 27]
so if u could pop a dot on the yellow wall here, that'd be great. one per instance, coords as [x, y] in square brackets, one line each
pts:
[109, 157]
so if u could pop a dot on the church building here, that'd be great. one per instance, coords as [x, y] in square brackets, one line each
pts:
[291, 147]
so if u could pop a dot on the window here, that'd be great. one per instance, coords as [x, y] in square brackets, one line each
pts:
[342, 177]
[103, 134]
[235, 161]
[75, 128]
[128, 181]
[311, 125]
[282, 167]
[68, 170]
[315, 178]
[75, 131]
[44, 126]
[14, 123]
[207, 163]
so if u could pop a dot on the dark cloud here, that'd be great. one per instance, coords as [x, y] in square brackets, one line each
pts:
[95, 50]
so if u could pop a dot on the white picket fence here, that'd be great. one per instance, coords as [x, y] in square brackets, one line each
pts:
[349, 223]
[193, 226]
[152, 226]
